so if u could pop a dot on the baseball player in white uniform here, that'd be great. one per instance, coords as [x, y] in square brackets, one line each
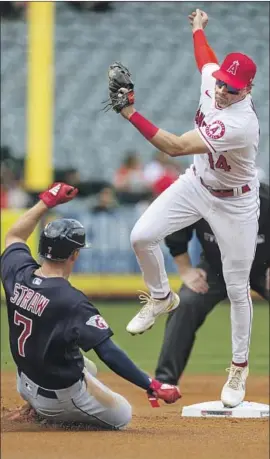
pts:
[221, 186]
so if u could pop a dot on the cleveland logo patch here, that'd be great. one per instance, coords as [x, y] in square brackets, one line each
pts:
[98, 322]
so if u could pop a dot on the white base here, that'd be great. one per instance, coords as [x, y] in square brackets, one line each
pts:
[217, 410]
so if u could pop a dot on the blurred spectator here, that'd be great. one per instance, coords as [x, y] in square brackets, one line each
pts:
[12, 10]
[130, 176]
[97, 7]
[4, 197]
[18, 198]
[86, 188]
[106, 201]
[13, 194]
[169, 176]
[161, 172]
[156, 167]
[72, 176]
[130, 182]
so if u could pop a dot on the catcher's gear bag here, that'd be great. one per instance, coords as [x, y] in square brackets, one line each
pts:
[60, 238]
[120, 87]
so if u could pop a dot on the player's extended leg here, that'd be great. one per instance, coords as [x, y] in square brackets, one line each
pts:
[183, 323]
[85, 402]
[236, 231]
[177, 207]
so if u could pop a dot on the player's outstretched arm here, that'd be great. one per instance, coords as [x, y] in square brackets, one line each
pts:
[189, 143]
[121, 91]
[120, 363]
[202, 51]
[58, 193]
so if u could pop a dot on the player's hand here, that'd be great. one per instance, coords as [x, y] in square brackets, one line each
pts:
[195, 280]
[126, 112]
[58, 193]
[166, 392]
[198, 20]
[267, 279]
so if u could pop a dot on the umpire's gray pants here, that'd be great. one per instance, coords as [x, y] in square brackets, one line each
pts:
[76, 405]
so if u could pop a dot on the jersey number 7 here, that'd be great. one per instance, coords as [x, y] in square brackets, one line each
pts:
[26, 332]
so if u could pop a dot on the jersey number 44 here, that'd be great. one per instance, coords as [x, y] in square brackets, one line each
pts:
[220, 164]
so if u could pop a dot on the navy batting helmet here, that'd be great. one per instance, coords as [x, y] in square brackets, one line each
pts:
[60, 238]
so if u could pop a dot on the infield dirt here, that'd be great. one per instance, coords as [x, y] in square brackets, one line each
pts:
[160, 433]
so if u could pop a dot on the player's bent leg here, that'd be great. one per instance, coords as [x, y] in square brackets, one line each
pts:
[107, 409]
[172, 210]
[77, 404]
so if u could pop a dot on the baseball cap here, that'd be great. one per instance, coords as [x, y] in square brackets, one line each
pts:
[237, 70]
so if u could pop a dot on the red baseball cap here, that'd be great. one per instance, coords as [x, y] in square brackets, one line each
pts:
[237, 70]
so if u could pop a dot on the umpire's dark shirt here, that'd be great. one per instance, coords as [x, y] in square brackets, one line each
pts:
[178, 241]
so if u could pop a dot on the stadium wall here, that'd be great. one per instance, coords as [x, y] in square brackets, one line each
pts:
[100, 285]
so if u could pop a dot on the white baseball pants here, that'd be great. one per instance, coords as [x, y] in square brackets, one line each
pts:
[234, 221]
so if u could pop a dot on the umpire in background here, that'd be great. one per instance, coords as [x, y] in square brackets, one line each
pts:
[204, 287]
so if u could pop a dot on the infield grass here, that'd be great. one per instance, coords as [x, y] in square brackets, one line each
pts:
[211, 353]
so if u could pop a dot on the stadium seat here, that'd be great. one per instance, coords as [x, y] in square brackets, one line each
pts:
[153, 39]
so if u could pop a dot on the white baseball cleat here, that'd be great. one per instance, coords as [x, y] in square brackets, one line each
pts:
[234, 390]
[153, 308]
[90, 366]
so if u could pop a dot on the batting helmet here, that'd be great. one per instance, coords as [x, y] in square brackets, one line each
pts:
[60, 238]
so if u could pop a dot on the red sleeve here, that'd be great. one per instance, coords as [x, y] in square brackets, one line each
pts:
[202, 51]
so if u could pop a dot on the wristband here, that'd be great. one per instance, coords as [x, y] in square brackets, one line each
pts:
[203, 52]
[145, 127]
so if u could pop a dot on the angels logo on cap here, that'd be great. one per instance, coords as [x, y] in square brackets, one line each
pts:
[233, 67]
[237, 70]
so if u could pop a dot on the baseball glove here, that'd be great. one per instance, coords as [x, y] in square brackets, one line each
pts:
[120, 88]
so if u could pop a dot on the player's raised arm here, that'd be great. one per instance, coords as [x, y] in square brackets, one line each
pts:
[121, 90]
[203, 53]
[58, 193]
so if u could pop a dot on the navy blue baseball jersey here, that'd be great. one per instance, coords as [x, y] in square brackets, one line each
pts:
[49, 321]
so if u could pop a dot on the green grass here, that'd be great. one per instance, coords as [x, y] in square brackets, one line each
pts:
[212, 351]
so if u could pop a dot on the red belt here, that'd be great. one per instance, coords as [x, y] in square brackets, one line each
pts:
[224, 193]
